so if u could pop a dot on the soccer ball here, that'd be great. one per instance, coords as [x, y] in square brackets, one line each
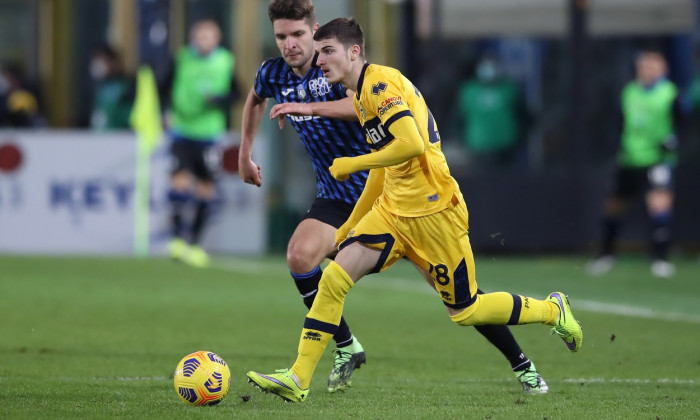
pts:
[202, 378]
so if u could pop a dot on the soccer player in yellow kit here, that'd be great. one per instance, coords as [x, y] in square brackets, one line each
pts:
[410, 207]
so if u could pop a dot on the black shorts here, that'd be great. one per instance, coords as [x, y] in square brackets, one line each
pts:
[632, 181]
[329, 211]
[201, 159]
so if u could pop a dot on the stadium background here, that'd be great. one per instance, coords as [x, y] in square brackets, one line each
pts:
[571, 57]
[98, 337]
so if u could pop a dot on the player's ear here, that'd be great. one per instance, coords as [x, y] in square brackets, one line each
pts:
[315, 28]
[355, 52]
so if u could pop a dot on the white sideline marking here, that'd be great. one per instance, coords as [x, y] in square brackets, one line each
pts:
[635, 311]
[633, 381]
[404, 285]
[102, 378]
[250, 266]
[396, 283]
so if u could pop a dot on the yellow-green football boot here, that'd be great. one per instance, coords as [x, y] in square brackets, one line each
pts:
[347, 359]
[532, 382]
[283, 383]
[178, 249]
[567, 327]
[197, 257]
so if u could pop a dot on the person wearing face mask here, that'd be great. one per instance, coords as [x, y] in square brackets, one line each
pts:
[19, 106]
[113, 91]
[199, 90]
[492, 111]
[645, 163]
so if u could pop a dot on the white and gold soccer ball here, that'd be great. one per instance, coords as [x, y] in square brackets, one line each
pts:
[202, 378]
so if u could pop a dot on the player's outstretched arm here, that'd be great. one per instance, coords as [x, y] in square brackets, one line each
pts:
[373, 189]
[340, 109]
[253, 113]
[407, 144]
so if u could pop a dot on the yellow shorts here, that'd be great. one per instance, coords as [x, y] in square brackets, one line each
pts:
[438, 242]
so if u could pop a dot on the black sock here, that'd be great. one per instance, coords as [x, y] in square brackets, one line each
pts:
[660, 235]
[611, 227]
[501, 337]
[178, 201]
[307, 284]
[200, 218]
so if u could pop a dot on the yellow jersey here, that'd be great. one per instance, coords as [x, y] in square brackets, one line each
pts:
[421, 185]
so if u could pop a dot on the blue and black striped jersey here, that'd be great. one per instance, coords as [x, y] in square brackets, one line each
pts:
[324, 138]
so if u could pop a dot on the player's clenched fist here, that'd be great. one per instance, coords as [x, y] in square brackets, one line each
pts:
[341, 168]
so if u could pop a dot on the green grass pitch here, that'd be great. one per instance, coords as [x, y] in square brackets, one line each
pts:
[100, 337]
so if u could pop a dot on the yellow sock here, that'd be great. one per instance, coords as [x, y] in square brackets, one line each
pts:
[534, 311]
[501, 308]
[321, 321]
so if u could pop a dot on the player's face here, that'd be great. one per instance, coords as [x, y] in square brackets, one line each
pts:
[333, 59]
[295, 42]
[650, 67]
[206, 37]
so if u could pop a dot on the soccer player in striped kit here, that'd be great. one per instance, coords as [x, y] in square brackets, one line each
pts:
[326, 122]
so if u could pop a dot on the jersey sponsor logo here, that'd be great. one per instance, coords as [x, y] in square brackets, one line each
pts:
[393, 99]
[389, 103]
[287, 91]
[302, 118]
[376, 133]
[319, 87]
[379, 87]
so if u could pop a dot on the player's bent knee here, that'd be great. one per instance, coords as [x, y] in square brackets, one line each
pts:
[300, 260]
[465, 317]
[304, 255]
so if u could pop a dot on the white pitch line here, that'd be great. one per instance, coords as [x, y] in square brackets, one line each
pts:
[396, 283]
[635, 311]
[672, 381]
[249, 266]
[413, 286]
[100, 378]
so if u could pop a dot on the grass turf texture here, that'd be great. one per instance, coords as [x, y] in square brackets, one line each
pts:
[99, 337]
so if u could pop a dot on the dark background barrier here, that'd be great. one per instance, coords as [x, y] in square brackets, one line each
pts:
[558, 210]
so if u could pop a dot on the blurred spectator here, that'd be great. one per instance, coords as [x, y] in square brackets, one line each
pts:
[19, 106]
[645, 162]
[493, 111]
[113, 90]
[200, 92]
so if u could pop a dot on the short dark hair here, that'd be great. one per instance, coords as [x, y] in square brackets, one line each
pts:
[650, 50]
[346, 30]
[292, 10]
[107, 51]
